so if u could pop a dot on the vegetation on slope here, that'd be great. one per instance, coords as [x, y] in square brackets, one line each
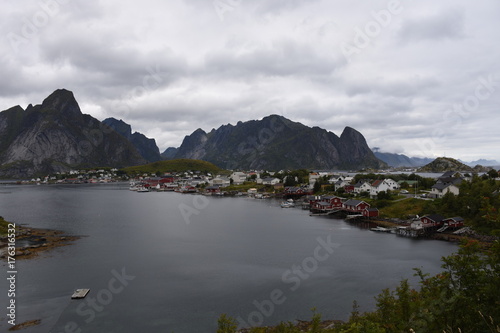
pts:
[178, 165]
[3, 227]
[442, 164]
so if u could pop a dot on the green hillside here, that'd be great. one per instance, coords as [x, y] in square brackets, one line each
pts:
[442, 164]
[178, 165]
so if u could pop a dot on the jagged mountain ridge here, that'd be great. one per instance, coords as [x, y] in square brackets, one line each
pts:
[147, 147]
[55, 136]
[276, 143]
[169, 153]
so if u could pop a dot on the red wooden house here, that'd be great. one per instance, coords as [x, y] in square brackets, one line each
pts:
[353, 205]
[430, 221]
[370, 212]
[454, 222]
[349, 188]
[335, 201]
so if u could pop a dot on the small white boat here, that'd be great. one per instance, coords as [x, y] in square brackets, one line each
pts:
[380, 229]
[142, 189]
[287, 204]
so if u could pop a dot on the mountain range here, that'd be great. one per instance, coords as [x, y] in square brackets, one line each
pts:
[276, 143]
[147, 147]
[56, 136]
[400, 160]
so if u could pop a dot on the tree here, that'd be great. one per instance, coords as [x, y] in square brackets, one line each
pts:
[493, 173]
[226, 324]
[317, 187]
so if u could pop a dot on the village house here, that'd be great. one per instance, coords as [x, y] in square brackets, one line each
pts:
[370, 212]
[268, 181]
[295, 192]
[430, 221]
[325, 203]
[238, 177]
[220, 181]
[449, 182]
[362, 186]
[340, 181]
[212, 189]
[349, 188]
[454, 222]
[438, 190]
[313, 177]
[354, 205]
[379, 186]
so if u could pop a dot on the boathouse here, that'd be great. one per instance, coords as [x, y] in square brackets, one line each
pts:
[336, 202]
[353, 205]
[430, 221]
[370, 212]
[454, 222]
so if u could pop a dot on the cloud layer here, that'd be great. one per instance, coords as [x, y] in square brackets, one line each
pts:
[420, 78]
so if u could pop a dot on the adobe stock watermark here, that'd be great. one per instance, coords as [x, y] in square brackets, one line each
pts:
[364, 36]
[95, 137]
[150, 82]
[223, 6]
[199, 203]
[454, 116]
[293, 279]
[32, 25]
[92, 305]
[254, 144]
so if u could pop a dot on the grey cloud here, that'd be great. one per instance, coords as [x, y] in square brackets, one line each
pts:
[282, 58]
[449, 24]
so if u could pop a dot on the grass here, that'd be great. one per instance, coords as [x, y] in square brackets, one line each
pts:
[401, 209]
[3, 227]
[243, 187]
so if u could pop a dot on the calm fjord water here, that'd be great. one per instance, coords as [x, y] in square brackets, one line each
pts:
[152, 270]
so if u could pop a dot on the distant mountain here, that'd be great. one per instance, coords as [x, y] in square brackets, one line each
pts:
[276, 143]
[169, 153]
[55, 136]
[442, 164]
[147, 147]
[400, 160]
[484, 162]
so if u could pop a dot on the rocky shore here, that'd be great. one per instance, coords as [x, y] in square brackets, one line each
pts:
[30, 242]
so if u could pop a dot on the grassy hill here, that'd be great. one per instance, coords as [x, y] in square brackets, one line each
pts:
[442, 164]
[178, 165]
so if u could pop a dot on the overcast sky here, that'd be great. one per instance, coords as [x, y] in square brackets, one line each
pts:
[415, 77]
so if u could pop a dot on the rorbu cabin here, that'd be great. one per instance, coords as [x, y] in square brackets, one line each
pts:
[370, 212]
[353, 205]
[454, 222]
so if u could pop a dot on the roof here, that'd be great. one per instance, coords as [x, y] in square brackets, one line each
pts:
[434, 217]
[329, 197]
[377, 183]
[270, 179]
[456, 219]
[353, 202]
[442, 186]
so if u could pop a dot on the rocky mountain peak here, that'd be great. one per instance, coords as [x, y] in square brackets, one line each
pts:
[119, 126]
[62, 101]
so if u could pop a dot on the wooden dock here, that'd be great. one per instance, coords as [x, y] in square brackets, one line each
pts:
[80, 293]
